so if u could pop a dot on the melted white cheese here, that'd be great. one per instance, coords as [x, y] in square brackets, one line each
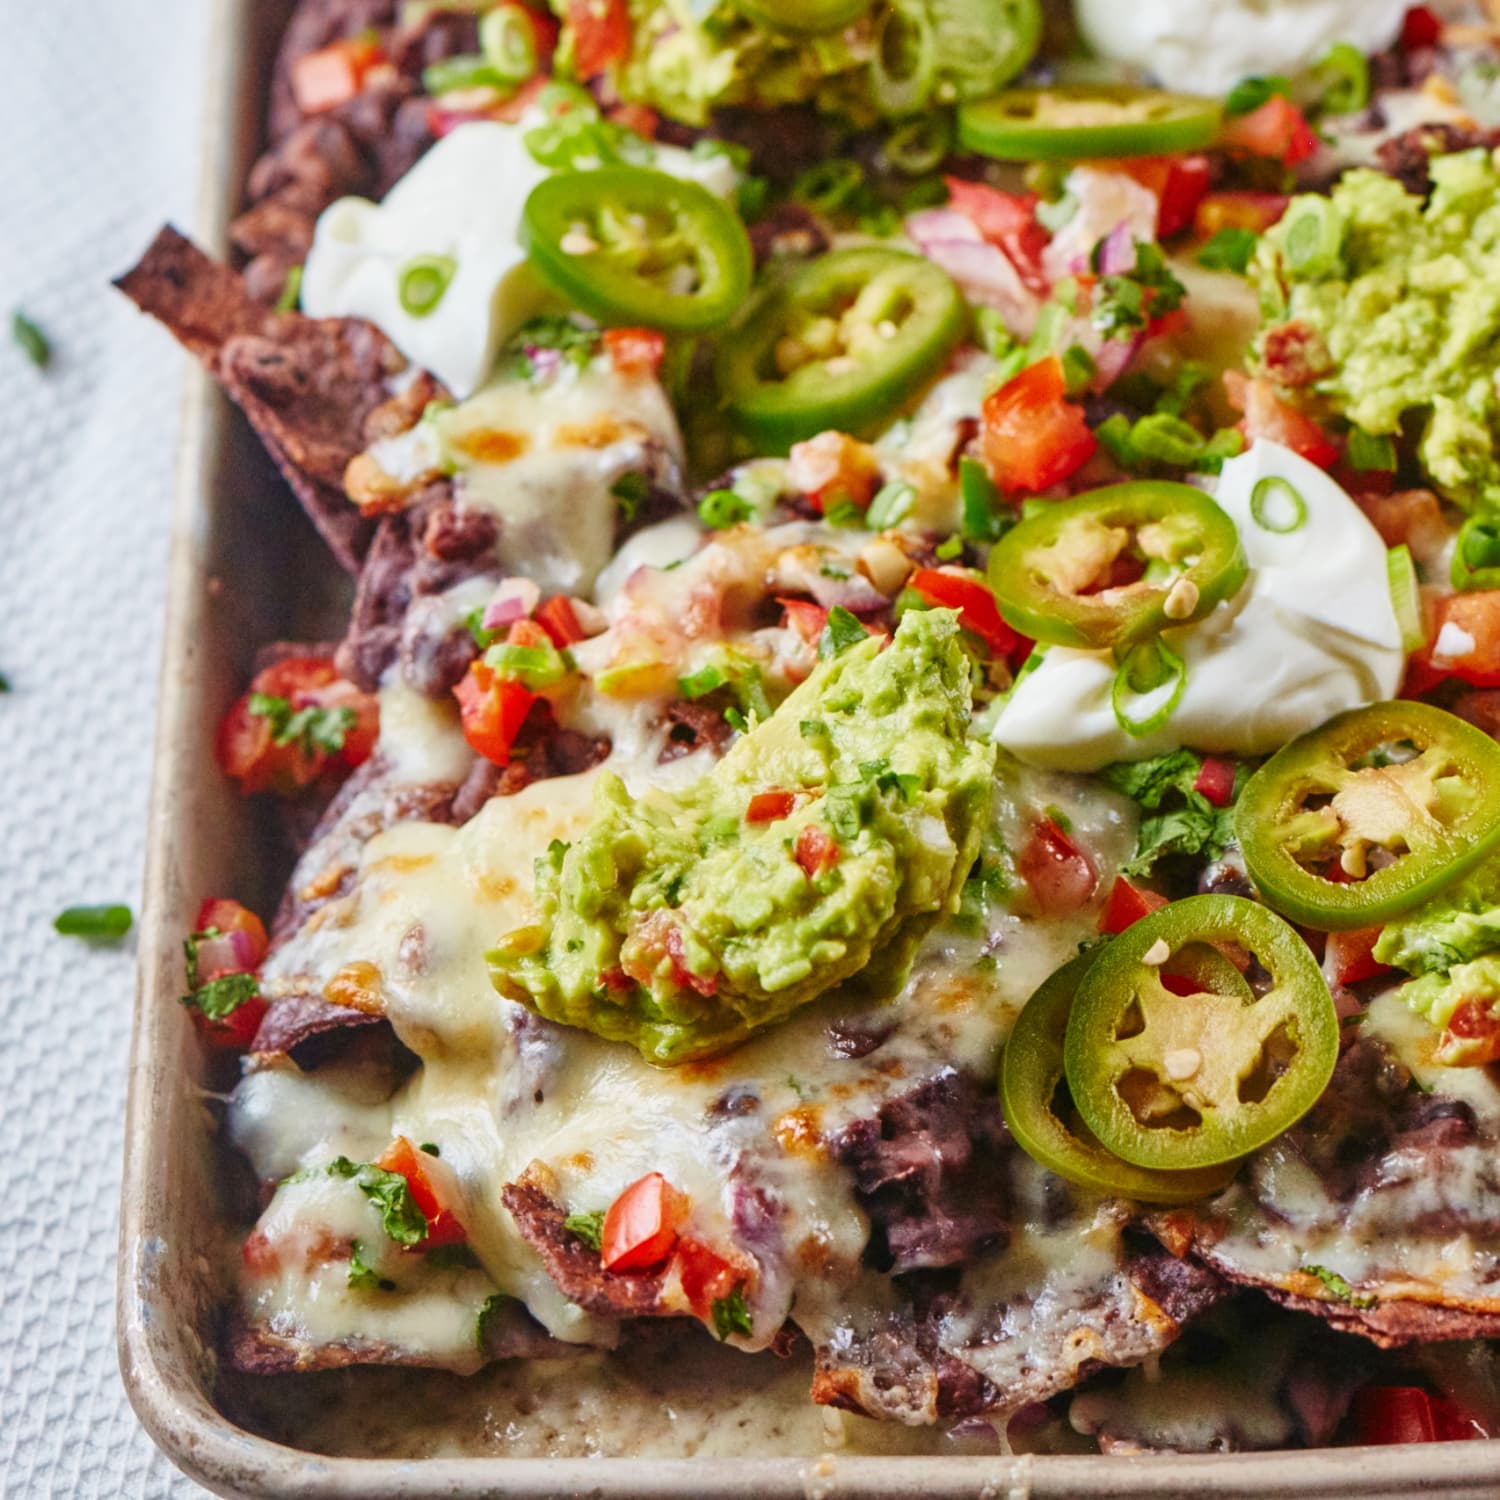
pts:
[1206, 49]
[1311, 633]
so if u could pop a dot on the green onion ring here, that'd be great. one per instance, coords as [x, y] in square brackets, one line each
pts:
[1145, 669]
[1266, 494]
[423, 281]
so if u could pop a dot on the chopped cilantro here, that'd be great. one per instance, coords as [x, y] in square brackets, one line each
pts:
[402, 1220]
[488, 1315]
[632, 490]
[31, 339]
[1229, 250]
[576, 343]
[1180, 821]
[1339, 1287]
[731, 1315]
[311, 729]
[1120, 306]
[588, 1227]
[220, 998]
[842, 631]
[843, 512]
[364, 1278]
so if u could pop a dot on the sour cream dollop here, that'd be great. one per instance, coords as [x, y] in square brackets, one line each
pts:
[1207, 49]
[462, 200]
[1312, 632]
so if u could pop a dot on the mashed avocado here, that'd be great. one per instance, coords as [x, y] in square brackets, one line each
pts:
[1404, 299]
[1452, 942]
[679, 925]
[899, 57]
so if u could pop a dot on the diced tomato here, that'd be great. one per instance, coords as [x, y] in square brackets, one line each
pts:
[1420, 28]
[1276, 129]
[640, 1226]
[770, 807]
[635, 351]
[493, 710]
[245, 745]
[685, 978]
[816, 851]
[1126, 905]
[333, 75]
[706, 1275]
[234, 1032]
[241, 943]
[1472, 1036]
[832, 468]
[955, 588]
[1007, 220]
[1256, 212]
[530, 633]
[601, 34]
[1412, 518]
[545, 30]
[1406, 1414]
[1060, 876]
[1216, 780]
[422, 1173]
[808, 620]
[1032, 437]
[558, 618]
[1465, 629]
[640, 118]
[1268, 416]
[1179, 182]
[1350, 956]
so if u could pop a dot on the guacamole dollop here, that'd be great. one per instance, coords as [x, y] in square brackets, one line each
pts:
[1402, 299]
[828, 839]
[897, 58]
[1452, 944]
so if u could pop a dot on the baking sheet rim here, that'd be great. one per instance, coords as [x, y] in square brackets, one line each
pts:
[176, 1411]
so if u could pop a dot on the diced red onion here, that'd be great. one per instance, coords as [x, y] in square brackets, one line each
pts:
[934, 225]
[986, 275]
[513, 600]
[1117, 256]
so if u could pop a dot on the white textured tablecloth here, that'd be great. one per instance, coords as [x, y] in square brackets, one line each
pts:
[99, 143]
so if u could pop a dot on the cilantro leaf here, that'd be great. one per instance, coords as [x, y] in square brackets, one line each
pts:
[1229, 250]
[494, 1305]
[576, 345]
[1121, 305]
[589, 1227]
[365, 1278]
[1182, 821]
[311, 729]
[731, 1315]
[220, 998]
[402, 1220]
[842, 631]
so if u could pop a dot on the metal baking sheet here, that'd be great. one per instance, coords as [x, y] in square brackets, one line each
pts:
[246, 569]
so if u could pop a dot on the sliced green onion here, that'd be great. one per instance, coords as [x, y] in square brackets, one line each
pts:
[467, 71]
[983, 520]
[721, 509]
[1476, 556]
[892, 504]
[844, 512]
[1312, 236]
[534, 667]
[920, 145]
[1368, 450]
[1277, 505]
[827, 187]
[1078, 369]
[1405, 598]
[1167, 439]
[291, 291]
[32, 341]
[1345, 74]
[508, 43]
[949, 548]
[108, 922]
[705, 680]
[1152, 678]
[423, 282]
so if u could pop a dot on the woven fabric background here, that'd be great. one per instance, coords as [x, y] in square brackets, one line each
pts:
[99, 119]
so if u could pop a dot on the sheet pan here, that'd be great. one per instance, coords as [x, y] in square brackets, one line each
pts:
[246, 569]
